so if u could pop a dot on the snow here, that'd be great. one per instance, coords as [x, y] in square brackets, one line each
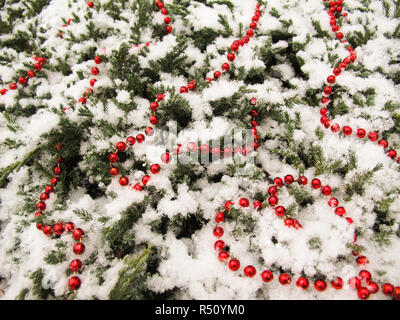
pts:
[191, 263]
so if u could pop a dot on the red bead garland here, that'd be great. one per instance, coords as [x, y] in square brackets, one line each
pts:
[60, 228]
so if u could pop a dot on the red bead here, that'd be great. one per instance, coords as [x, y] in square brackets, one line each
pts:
[219, 217]
[278, 182]
[337, 71]
[272, 190]
[48, 230]
[302, 283]
[333, 202]
[41, 206]
[243, 202]
[331, 79]
[58, 228]
[74, 282]
[354, 283]
[361, 133]
[396, 293]
[219, 245]
[149, 131]
[383, 143]
[168, 29]
[49, 189]
[121, 146]
[75, 265]
[253, 25]
[92, 82]
[231, 56]
[140, 138]
[131, 140]
[337, 283]
[54, 181]
[365, 275]
[373, 287]
[289, 179]
[373, 136]
[257, 205]
[302, 181]
[280, 211]
[234, 47]
[234, 264]
[37, 66]
[145, 179]
[69, 226]
[113, 157]
[223, 256]
[249, 271]
[250, 33]
[267, 276]
[217, 74]
[90, 5]
[285, 279]
[97, 59]
[160, 97]
[363, 293]
[44, 196]
[218, 232]
[335, 128]
[57, 171]
[78, 234]
[339, 35]
[114, 171]
[167, 20]
[320, 285]
[328, 90]
[315, 183]
[273, 201]
[95, 71]
[392, 153]
[326, 190]
[79, 248]
[183, 89]
[3, 91]
[22, 80]
[387, 289]
[362, 260]
[153, 120]
[30, 74]
[123, 181]
[160, 4]
[340, 211]
[164, 11]
[347, 130]
[166, 157]
[191, 85]
[155, 168]
[226, 67]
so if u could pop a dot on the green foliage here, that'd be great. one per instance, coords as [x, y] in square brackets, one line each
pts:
[131, 284]
[119, 236]
[358, 182]
[37, 289]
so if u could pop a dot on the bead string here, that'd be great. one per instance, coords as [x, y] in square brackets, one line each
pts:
[59, 228]
[191, 86]
[363, 283]
[335, 12]
[40, 61]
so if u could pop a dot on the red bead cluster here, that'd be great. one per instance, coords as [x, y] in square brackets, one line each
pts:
[40, 61]
[236, 44]
[164, 12]
[363, 284]
[95, 71]
[335, 12]
[315, 183]
[121, 147]
[59, 228]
